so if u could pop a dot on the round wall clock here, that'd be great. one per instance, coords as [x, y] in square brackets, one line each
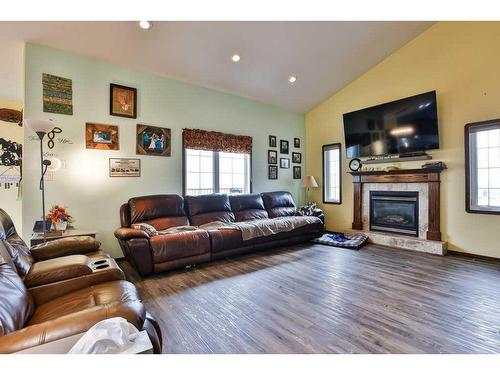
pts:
[355, 165]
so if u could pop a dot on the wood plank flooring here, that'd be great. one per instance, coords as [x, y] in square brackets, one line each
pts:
[319, 299]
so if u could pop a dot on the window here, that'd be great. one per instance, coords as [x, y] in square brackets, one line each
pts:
[482, 149]
[208, 172]
[332, 181]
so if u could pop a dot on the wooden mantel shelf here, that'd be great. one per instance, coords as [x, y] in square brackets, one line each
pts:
[430, 176]
[399, 171]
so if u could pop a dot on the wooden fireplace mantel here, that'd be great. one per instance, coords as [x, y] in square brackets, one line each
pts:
[429, 176]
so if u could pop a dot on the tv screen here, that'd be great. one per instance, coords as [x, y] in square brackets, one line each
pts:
[404, 126]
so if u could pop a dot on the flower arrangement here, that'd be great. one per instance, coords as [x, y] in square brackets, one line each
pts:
[59, 216]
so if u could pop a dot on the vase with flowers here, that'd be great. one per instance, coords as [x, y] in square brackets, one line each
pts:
[59, 217]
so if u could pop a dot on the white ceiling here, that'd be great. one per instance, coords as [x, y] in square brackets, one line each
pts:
[325, 56]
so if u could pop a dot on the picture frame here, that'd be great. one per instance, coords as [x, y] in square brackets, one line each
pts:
[153, 140]
[297, 172]
[296, 157]
[284, 147]
[272, 172]
[272, 141]
[122, 101]
[101, 136]
[124, 167]
[272, 157]
[57, 94]
[296, 142]
[285, 163]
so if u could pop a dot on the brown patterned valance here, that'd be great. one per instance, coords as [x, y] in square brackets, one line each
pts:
[215, 141]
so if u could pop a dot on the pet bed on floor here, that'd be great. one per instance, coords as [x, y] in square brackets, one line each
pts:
[340, 240]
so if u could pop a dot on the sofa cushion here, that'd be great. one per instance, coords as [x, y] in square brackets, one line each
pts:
[149, 208]
[21, 257]
[178, 245]
[231, 238]
[248, 207]
[204, 209]
[279, 203]
[16, 304]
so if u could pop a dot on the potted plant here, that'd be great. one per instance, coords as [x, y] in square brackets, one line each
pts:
[59, 217]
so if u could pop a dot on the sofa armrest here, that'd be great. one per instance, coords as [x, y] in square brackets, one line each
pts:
[71, 324]
[129, 233]
[58, 269]
[65, 246]
[318, 212]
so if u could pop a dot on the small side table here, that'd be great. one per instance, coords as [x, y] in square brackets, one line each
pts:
[37, 238]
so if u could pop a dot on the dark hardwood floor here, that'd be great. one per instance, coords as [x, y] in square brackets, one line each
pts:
[319, 299]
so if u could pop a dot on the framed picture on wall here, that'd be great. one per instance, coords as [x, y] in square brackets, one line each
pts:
[284, 147]
[272, 157]
[272, 141]
[296, 157]
[284, 163]
[101, 136]
[296, 142]
[272, 172]
[153, 140]
[122, 101]
[297, 173]
[124, 167]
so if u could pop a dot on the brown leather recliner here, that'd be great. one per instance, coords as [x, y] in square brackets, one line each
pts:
[175, 249]
[163, 252]
[57, 267]
[25, 323]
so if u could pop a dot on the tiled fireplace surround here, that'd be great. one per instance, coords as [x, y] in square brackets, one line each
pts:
[410, 180]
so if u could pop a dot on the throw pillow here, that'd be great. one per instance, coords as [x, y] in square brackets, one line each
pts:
[306, 210]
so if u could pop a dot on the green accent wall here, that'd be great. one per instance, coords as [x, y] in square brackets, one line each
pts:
[83, 183]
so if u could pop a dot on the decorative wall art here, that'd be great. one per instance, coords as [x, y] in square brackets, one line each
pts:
[272, 141]
[284, 163]
[272, 172]
[296, 142]
[296, 157]
[122, 101]
[123, 167]
[284, 147]
[153, 140]
[57, 94]
[11, 115]
[11, 153]
[101, 137]
[272, 157]
[297, 173]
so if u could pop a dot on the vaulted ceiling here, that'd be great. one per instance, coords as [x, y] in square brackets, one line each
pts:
[324, 56]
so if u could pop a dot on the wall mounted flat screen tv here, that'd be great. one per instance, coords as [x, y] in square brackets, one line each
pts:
[405, 126]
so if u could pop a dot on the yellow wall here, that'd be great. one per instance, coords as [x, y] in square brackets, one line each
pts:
[461, 61]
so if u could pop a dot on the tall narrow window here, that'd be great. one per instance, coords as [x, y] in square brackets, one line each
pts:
[482, 146]
[216, 163]
[332, 181]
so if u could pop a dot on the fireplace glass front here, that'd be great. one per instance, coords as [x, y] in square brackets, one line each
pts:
[394, 211]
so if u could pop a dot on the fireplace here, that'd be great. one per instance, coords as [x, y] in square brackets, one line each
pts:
[394, 211]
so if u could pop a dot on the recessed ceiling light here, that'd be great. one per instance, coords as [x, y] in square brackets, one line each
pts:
[292, 79]
[235, 58]
[145, 25]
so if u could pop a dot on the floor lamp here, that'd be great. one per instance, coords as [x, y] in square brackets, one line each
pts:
[41, 128]
[308, 182]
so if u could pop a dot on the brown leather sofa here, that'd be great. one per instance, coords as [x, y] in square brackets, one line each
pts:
[61, 289]
[151, 254]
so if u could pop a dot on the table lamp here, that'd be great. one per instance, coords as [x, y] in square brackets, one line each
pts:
[308, 182]
[42, 127]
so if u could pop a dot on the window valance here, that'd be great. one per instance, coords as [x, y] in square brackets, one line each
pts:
[197, 139]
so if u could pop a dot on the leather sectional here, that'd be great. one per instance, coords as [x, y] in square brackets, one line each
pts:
[59, 289]
[170, 250]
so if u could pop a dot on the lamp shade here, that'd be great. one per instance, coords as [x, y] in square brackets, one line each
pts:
[309, 182]
[42, 126]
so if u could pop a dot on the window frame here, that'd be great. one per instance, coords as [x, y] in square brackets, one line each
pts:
[470, 166]
[215, 171]
[323, 149]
